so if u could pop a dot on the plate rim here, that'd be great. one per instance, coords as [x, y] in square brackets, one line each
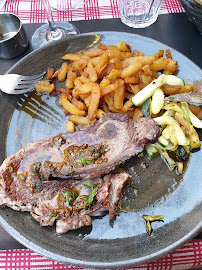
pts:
[128, 263]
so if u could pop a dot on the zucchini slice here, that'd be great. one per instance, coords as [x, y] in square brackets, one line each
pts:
[194, 120]
[157, 102]
[148, 91]
[173, 80]
[151, 151]
[168, 120]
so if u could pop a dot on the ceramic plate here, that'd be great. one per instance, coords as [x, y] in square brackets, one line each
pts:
[124, 242]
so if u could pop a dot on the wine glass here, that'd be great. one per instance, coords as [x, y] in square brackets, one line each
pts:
[52, 31]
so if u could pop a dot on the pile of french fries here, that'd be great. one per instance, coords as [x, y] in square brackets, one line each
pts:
[104, 79]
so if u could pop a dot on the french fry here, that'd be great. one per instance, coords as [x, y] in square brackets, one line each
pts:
[123, 46]
[133, 80]
[80, 105]
[87, 100]
[109, 100]
[114, 52]
[146, 60]
[159, 64]
[45, 86]
[79, 64]
[102, 46]
[117, 63]
[71, 76]
[145, 79]
[131, 69]
[50, 73]
[85, 88]
[62, 72]
[69, 126]
[91, 72]
[128, 104]
[195, 109]
[168, 54]
[133, 88]
[102, 62]
[119, 95]
[95, 60]
[147, 71]
[72, 57]
[94, 52]
[99, 113]
[114, 73]
[71, 108]
[177, 89]
[171, 65]
[109, 88]
[94, 102]
[105, 82]
[79, 120]
[105, 108]
[137, 114]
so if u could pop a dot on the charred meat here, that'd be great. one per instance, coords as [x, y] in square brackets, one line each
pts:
[70, 203]
[92, 151]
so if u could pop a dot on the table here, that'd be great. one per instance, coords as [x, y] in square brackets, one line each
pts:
[173, 29]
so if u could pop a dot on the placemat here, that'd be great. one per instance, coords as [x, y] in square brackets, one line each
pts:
[32, 11]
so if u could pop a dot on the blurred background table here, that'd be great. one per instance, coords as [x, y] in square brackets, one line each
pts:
[175, 30]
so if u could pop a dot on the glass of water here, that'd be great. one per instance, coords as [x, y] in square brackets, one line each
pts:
[139, 13]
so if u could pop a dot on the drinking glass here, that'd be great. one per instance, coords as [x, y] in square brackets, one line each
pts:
[52, 31]
[139, 13]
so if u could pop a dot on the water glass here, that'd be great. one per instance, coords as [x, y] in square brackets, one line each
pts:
[139, 13]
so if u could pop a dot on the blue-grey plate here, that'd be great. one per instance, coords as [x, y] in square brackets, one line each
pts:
[123, 243]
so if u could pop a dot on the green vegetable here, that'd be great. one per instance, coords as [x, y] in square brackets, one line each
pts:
[148, 91]
[194, 120]
[150, 219]
[148, 228]
[146, 108]
[173, 80]
[157, 101]
[53, 213]
[151, 151]
[168, 120]
[163, 141]
[184, 107]
[171, 162]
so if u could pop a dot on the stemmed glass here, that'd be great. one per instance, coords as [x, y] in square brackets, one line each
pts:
[51, 31]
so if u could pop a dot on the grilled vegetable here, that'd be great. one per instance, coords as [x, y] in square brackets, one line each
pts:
[146, 108]
[148, 91]
[151, 151]
[178, 132]
[157, 101]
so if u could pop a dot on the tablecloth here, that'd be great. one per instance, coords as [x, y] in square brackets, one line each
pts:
[187, 257]
[31, 11]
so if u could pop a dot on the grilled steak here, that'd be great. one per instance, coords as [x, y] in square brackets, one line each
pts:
[70, 203]
[93, 150]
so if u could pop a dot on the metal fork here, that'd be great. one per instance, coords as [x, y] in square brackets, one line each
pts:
[17, 84]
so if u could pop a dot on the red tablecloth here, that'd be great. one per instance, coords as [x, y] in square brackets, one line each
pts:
[33, 11]
[187, 257]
